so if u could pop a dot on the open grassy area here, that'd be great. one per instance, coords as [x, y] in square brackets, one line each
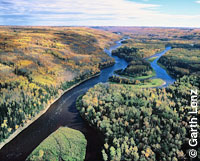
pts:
[148, 83]
[152, 59]
[64, 144]
[151, 83]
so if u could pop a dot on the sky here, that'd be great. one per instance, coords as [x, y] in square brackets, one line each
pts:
[164, 13]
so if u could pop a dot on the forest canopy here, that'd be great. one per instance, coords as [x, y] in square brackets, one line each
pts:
[141, 124]
[38, 63]
[137, 65]
[181, 61]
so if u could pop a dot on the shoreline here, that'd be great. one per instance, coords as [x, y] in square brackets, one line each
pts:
[163, 84]
[29, 122]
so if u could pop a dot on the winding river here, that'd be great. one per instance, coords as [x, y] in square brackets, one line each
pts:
[64, 113]
[161, 72]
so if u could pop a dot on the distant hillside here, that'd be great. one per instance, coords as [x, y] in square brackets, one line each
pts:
[38, 63]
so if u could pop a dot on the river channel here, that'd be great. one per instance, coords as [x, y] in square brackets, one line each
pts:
[64, 113]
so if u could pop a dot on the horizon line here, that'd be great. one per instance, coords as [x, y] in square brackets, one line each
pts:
[100, 26]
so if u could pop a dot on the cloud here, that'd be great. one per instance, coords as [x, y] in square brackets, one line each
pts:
[84, 12]
[197, 2]
[79, 9]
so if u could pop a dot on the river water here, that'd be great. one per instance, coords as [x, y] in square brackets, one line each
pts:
[64, 113]
[161, 72]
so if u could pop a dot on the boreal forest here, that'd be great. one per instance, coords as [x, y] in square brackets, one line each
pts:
[139, 115]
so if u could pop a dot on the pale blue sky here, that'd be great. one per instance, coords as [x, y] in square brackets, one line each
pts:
[169, 13]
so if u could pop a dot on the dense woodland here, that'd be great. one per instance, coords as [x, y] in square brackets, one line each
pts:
[141, 124]
[181, 61]
[137, 65]
[145, 48]
[37, 64]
